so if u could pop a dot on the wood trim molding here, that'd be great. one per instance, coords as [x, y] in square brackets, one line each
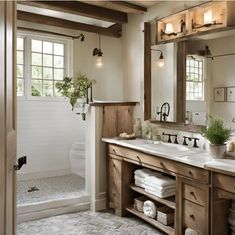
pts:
[147, 70]
[81, 8]
[178, 126]
[52, 21]
[129, 6]
[181, 82]
[105, 103]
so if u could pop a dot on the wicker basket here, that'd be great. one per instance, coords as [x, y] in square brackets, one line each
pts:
[165, 215]
[139, 202]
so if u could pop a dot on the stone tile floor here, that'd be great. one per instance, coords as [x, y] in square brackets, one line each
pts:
[50, 188]
[87, 223]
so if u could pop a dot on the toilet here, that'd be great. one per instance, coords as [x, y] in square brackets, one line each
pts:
[77, 158]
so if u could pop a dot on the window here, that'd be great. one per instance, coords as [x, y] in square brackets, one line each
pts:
[20, 73]
[44, 65]
[194, 79]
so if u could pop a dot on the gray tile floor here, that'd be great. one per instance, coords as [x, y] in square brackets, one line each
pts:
[51, 188]
[87, 223]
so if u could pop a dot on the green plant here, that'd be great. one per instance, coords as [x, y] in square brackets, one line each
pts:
[74, 88]
[216, 132]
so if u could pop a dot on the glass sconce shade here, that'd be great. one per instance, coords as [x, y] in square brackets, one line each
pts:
[169, 28]
[208, 17]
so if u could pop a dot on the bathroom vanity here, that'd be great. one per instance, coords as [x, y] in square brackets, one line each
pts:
[204, 188]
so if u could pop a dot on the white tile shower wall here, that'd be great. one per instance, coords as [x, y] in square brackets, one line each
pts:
[45, 132]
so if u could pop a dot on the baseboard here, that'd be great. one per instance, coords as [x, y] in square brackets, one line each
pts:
[52, 212]
[100, 203]
[42, 174]
[40, 206]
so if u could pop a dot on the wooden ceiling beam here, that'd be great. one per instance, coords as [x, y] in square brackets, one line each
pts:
[80, 8]
[127, 5]
[52, 21]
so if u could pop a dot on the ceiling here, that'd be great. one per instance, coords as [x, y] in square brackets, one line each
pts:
[101, 17]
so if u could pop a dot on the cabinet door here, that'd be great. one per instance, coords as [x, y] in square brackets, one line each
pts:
[115, 186]
[192, 206]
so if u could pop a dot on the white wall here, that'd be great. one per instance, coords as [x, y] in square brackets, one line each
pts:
[46, 130]
[133, 48]
[163, 80]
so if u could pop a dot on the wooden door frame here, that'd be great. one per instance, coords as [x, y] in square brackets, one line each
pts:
[7, 117]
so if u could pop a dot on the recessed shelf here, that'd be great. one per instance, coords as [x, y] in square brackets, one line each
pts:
[170, 201]
[167, 229]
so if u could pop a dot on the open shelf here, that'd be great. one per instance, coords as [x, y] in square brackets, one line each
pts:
[167, 229]
[170, 201]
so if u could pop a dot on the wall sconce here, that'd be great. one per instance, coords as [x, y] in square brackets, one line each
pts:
[160, 62]
[206, 52]
[97, 52]
[80, 37]
[169, 31]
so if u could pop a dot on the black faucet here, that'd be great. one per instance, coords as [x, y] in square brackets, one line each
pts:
[190, 139]
[169, 137]
[185, 138]
[165, 113]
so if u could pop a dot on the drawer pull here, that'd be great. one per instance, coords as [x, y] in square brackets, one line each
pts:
[192, 216]
[114, 165]
[162, 164]
[190, 173]
[193, 194]
[114, 151]
[139, 160]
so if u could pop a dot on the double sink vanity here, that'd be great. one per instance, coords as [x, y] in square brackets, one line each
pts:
[204, 187]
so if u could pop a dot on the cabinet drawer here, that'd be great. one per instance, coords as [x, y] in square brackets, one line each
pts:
[160, 163]
[115, 168]
[224, 182]
[195, 217]
[195, 194]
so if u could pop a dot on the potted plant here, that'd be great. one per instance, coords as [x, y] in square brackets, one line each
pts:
[218, 135]
[76, 89]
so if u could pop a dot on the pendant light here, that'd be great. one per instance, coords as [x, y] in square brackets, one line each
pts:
[97, 52]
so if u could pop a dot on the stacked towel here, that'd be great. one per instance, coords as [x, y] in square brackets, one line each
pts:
[155, 183]
[140, 176]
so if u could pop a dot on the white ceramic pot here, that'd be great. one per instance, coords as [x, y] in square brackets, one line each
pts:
[217, 151]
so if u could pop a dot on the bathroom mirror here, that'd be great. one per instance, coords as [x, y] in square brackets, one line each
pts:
[195, 86]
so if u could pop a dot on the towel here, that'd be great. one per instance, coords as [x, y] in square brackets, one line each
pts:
[160, 190]
[160, 180]
[161, 195]
[143, 172]
[189, 231]
[149, 209]
[140, 179]
[139, 184]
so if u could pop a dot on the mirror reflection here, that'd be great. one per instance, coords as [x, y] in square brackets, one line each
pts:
[209, 80]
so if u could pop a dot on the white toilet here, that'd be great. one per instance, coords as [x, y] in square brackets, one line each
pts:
[77, 158]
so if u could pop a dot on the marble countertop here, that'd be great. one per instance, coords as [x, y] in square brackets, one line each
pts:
[180, 153]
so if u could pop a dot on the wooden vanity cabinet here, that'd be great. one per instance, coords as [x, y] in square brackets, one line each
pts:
[223, 192]
[193, 206]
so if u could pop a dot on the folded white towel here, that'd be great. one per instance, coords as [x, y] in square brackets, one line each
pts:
[160, 190]
[139, 178]
[145, 172]
[189, 231]
[139, 184]
[161, 195]
[160, 180]
[157, 187]
[150, 209]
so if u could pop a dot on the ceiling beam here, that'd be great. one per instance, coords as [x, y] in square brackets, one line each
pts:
[52, 21]
[80, 8]
[127, 5]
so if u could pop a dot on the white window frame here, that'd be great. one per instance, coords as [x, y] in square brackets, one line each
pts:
[203, 79]
[68, 61]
